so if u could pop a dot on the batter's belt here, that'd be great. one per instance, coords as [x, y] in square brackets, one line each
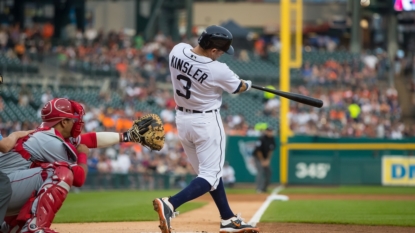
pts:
[193, 111]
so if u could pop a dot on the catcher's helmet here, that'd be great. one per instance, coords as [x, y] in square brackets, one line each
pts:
[59, 109]
[217, 37]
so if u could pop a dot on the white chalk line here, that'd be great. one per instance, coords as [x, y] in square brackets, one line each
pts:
[272, 197]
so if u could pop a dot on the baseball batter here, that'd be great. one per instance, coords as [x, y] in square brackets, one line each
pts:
[43, 166]
[198, 82]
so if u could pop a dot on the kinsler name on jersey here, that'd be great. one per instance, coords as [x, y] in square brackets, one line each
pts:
[183, 66]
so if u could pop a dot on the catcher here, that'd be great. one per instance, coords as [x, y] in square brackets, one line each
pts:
[44, 165]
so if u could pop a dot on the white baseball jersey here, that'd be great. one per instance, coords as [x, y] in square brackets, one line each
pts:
[198, 84]
[199, 81]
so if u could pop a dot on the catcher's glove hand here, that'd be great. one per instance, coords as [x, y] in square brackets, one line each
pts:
[149, 131]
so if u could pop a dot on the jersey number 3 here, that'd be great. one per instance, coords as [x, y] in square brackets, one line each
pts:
[186, 87]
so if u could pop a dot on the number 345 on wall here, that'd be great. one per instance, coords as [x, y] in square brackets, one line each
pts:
[313, 170]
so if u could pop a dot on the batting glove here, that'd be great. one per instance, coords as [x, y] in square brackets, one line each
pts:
[249, 84]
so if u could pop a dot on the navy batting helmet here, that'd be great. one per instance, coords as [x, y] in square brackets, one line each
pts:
[217, 37]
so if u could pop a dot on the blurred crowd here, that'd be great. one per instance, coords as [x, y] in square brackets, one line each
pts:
[128, 54]
[28, 44]
[352, 111]
[357, 100]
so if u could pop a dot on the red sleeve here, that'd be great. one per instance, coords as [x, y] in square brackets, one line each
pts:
[89, 140]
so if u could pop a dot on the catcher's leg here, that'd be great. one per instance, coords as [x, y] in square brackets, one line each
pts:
[24, 184]
[5, 195]
[40, 211]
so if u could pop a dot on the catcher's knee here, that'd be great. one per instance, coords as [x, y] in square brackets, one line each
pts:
[70, 174]
[63, 174]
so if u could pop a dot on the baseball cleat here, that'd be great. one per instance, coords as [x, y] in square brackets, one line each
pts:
[236, 224]
[165, 211]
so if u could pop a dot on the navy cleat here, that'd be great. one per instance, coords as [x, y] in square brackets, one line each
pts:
[165, 211]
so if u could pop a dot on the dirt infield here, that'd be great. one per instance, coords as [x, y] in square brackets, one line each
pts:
[206, 219]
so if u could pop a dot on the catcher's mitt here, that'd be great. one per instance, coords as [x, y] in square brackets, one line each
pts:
[149, 131]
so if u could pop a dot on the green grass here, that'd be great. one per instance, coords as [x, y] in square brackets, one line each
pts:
[240, 191]
[396, 213]
[118, 206]
[349, 190]
[114, 206]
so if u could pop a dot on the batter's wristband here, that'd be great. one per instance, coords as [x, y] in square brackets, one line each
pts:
[124, 137]
[82, 158]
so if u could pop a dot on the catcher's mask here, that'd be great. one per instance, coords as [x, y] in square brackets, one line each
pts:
[59, 109]
[217, 37]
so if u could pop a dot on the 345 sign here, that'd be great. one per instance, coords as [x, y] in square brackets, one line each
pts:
[312, 170]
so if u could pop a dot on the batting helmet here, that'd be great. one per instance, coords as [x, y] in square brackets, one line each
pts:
[217, 37]
[59, 109]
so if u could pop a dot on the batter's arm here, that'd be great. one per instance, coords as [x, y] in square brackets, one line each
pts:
[7, 143]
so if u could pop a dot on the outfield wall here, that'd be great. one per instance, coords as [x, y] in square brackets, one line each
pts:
[334, 166]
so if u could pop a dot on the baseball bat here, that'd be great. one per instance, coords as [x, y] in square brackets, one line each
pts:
[292, 96]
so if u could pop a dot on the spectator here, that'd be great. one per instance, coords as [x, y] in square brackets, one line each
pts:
[19, 49]
[24, 95]
[354, 111]
[138, 41]
[47, 30]
[46, 97]
[272, 107]
[104, 164]
[122, 164]
[243, 56]
[93, 161]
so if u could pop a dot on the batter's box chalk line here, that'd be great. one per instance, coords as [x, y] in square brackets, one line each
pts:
[274, 196]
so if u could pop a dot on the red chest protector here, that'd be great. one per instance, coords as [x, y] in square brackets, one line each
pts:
[26, 155]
